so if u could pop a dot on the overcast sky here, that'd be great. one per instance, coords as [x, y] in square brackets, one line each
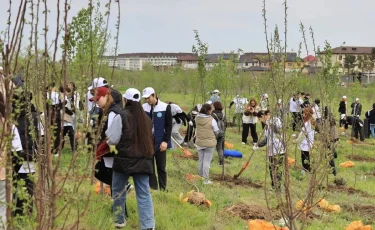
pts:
[167, 25]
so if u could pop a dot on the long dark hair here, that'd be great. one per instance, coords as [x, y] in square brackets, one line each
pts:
[142, 126]
[205, 109]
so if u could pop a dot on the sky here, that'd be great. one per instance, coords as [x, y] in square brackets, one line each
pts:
[167, 25]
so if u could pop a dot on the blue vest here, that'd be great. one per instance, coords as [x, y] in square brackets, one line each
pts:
[158, 121]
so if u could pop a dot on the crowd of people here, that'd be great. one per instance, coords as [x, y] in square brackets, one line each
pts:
[142, 134]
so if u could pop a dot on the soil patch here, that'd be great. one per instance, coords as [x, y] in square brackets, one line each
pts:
[348, 190]
[251, 212]
[230, 182]
[360, 158]
[183, 156]
[307, 217]
[366, 211]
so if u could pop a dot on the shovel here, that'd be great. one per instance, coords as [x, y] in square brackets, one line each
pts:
[247, 162]
[186, 152]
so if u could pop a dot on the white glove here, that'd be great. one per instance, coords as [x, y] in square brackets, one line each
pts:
[191, 123]
[255, 147]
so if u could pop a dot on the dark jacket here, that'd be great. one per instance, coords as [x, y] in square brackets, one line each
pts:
[342, 107]
[129, 158]
[370, 115]
[27, 133]
[358, 109]
[354, 121]
[219, 115]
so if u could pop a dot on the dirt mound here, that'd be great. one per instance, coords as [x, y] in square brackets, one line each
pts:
[251, 212]
[348, 190]
[360, 158]
[365, 211]
[230, 182]
[183, 156]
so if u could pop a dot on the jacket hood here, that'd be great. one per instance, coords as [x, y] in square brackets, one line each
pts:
[203, 119]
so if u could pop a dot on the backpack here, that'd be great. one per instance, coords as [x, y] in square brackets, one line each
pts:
[221, 125]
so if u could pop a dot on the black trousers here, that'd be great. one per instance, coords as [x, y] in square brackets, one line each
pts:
[70, 131]
[24, 205]
[305, 156]
[253, 131]
[276, 173]
[358, 130]
[297, 120]
[57, 134]
[161, 162]
[189, 133]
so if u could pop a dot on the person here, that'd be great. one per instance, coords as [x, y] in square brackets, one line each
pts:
[357, 125]
[342, 109]
[74, 99]
[280, 110]
[179, 117]
[370, 115]
[101, 82]
[16, 146]
[54, 115]
[306, 100]
[67, 117]
[192, 126]
[305, 139]
[215, 96]
[264, 103]
[220, 119]
[104, 100]
[240, 103]
[329, 124]
[274, 142]
[317, 114]
[131, 132]
[295, 108]
[207, 132]
[356, 108]
[161, 116]
[250, 120]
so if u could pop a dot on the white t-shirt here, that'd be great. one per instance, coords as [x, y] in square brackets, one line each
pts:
[54, 97]
[308, 141]
[240, 103]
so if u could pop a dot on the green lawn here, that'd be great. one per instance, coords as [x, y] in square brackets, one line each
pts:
[170, 213]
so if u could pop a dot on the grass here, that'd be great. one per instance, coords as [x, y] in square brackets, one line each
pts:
[170, 213]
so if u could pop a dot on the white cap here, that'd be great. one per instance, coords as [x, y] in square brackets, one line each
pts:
[97, 83]
[344, 97]
[147, 92]
[1, 68]
[216, 91]
[357, 99]
[132, 94]
[209, 102]
[279, 101]
[342, 116]
[265, 95]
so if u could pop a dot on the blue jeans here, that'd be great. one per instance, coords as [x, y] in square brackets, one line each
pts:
[372, 128]
[144, 200]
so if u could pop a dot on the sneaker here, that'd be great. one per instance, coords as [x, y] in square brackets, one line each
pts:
[207, 181]
[122, 225]
[243, 143]
[128, 188]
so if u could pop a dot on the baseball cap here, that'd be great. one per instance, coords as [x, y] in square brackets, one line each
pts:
[1, 68]
[344, 97]
[216, 91]
[132, 94]
[357, 99]
[100, 92]
[342, 116]
[279, 101]
[265, 95]
[147, 92]
[97, 83]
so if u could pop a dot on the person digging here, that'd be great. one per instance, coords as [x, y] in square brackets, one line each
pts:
[357, 126]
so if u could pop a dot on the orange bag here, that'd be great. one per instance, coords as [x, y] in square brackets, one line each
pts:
[228, 145]
[291, 161]
[357, 225]
[263, 225]
[347, 164]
